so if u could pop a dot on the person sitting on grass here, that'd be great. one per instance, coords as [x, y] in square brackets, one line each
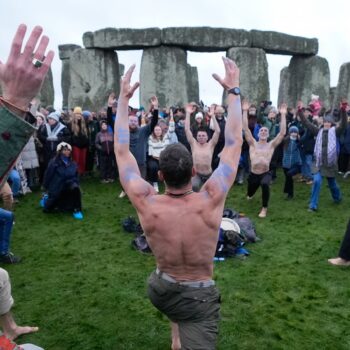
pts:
[62, 183]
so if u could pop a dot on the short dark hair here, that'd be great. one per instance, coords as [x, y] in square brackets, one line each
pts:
[202, 129]
[175, 162]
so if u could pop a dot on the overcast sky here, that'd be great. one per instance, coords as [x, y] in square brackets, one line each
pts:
[66, 21]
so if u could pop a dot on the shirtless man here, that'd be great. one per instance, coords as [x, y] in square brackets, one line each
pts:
[182, 287]
[202, 150]
[260, 156]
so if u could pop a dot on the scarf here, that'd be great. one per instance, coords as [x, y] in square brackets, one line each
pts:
[53, 132]
[331, 148]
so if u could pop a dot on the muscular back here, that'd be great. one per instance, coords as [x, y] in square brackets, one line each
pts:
[182, 233]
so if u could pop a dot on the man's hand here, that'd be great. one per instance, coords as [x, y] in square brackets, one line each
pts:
[283, 109]
[21, 80]
[126, 90]
[231, 78]
[300, 105]
[245, 106]
[154, 103]
[111, 99]
[190, 108]
[211, 111]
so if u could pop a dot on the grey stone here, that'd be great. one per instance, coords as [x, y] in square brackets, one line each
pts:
[343, 86]
[192, 84]
[122, 38]
[164, 74]
[305, 76]
[121, 69]
[65, 51]
[253, 66]
[94, 75]
[283, 44]
[332, 92]
[205, 39]
[47, 92]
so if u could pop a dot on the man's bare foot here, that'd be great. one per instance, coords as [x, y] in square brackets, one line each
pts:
[17, 331]
[339, 262]
[263, 213]
[175, 337]
[249, 198]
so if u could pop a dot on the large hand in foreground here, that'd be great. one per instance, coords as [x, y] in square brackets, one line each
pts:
[231, 78]
[21, 80]
[126, 90]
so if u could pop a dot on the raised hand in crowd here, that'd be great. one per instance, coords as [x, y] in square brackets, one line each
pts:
[111, 99]
[245, 106]
[24, 71]
[283, 109]
[154, 104]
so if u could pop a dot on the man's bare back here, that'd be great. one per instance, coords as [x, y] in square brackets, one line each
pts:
[181, 234]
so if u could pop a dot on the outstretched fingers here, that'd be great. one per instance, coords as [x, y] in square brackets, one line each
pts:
[32, 41]
[17, 42]
[129, 73]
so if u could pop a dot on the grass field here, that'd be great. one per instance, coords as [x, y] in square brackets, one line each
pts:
[85, 287]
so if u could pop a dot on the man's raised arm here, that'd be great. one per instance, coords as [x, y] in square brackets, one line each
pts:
[283, 126]
[189, 109]
[223, 177]
[129, 172]
[247, 133]
[215, 138]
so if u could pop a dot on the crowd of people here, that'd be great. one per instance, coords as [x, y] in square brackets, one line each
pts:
[193, 149]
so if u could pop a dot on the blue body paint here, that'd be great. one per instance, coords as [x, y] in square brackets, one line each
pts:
[123, 136]
[229, 142]
[221, 176]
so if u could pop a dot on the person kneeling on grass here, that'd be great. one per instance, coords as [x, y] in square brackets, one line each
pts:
[62, 183]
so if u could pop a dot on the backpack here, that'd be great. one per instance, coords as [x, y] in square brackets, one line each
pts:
[140, 243]
[247, 228]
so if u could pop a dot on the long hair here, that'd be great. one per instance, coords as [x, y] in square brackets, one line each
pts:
[76, 128]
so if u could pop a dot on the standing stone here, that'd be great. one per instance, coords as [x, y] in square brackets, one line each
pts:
[65, 52]
[305, 76]
[47, 92]
[164, 74]
[192, 84]
[94, 74]
[254, 80]
[343, 87]
[332, 92]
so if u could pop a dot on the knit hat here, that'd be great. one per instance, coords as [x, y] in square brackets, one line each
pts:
[62, 145]
[55, 116]
[77, 110]
[328, 119]
[293, 129]
[199, 115]
[86, 114]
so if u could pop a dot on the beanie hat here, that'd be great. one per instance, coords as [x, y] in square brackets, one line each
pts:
[86, 114]
[328, 119]
[293, 129]
[199, 115]
[77, 110]
[62, 145]
[55, 116]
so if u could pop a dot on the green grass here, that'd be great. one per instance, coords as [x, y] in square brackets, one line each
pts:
[84, 286]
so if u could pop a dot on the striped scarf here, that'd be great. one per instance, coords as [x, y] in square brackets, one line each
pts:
[331, 148]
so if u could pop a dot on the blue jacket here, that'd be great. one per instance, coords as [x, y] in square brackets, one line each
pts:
[59, 175]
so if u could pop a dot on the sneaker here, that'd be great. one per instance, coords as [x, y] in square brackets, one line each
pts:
[78, 215]
[311, 210]
[156, 187]
[339, 262]
[263, 213]
[43, 200]
[346, 174]
[249, 198]
[111, 180]
[9, 258]
[104, 181]
[309, 182]
[122, 194]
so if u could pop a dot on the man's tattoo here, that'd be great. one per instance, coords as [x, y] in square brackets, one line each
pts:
[123, 136]
[222, 175]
